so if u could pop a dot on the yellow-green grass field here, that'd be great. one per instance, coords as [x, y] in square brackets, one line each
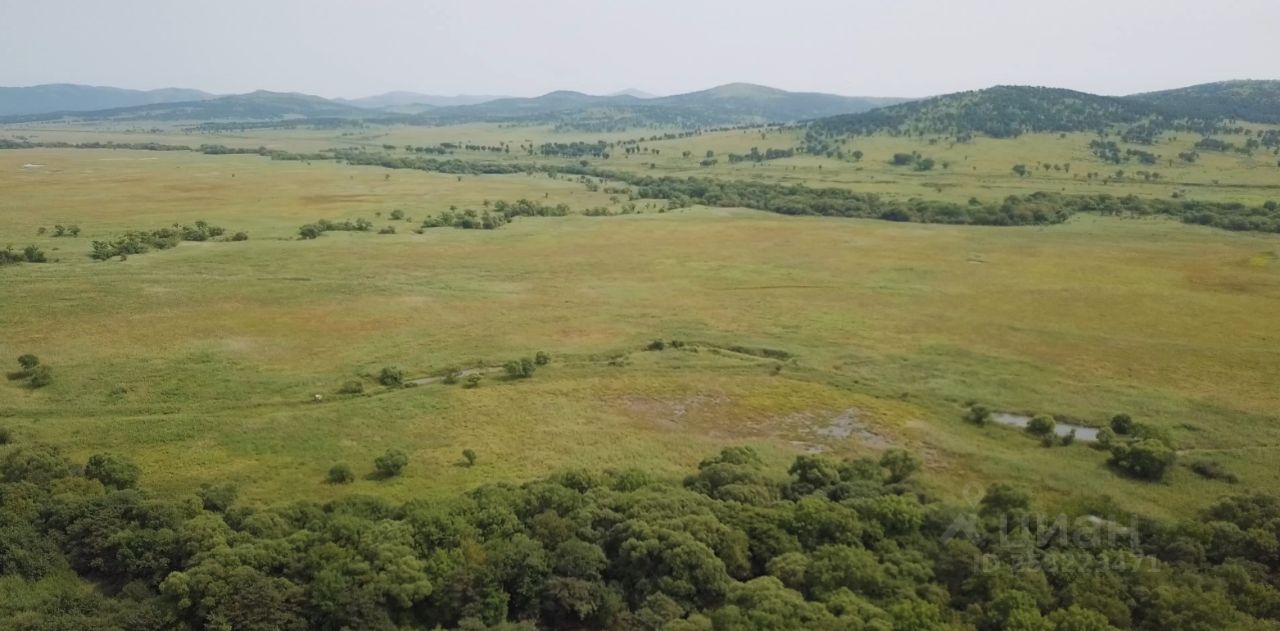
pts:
[980, 168]
[202, 363]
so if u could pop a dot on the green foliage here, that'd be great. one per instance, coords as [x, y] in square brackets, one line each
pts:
[139, 242]
[341, 474]
[29, 254]
[469, 457]
[1213, 471]
[581, 550]
[6, 435]
[113, 471]
[656, 345]
[314, 230]
[1147, 459]
[1041, 425]
[391, 463]
[541, 358]
[1122, 424]
[218, 497]
[472, 381]
[978, 415]
[352, 386]
[391, 377]
[28, 362]
[900, 463]
[522, 368]
[40, 376]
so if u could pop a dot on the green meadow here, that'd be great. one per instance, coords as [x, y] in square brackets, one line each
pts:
[222, 361]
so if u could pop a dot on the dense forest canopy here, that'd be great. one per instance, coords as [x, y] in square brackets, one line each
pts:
[826, 544]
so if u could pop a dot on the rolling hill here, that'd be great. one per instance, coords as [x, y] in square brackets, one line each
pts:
[69, 97]
[260, 105]
[999, 112]
[1255, 101]
[731, 104]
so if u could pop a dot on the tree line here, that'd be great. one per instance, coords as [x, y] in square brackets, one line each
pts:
[826, 545]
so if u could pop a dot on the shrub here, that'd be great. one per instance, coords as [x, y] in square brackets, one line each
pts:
[1041, 425]
[451, 375]
[541, 358]
[1106, 438]
[351, 387]
[472, 381]
[1069, 438]
[41, 376]
[341, 474]
[391, 377]
[387, 230]
[1122, 424]
[978, 415]
[469, 456]
[112, 471]
[239, 236]
[6, 436]
[397, 214]
[656, 345]
[1147, 459]
[522, 368]
[33, 254]
[309, 231]
[391, 464]
[1213, 471]
[28, 362]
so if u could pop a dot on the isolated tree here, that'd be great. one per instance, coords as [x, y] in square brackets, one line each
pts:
[391, 463]
[541, 358]
[310, 231]
[469, 456]
[341, 474]
[1020, 169]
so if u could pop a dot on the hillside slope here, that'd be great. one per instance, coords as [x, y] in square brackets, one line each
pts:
[999, 112]
[68, 97]
[1254, 101]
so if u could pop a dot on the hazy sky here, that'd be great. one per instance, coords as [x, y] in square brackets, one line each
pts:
[527, 47]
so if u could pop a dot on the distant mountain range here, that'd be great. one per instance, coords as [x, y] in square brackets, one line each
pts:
[1000, 111]
[735, 103]
[68, 97]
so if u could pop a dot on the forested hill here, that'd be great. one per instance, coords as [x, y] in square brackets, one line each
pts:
[826, 545]
[999, 112]
[1254, 101]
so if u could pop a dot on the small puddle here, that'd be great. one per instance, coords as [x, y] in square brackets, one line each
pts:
[1083, 432]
